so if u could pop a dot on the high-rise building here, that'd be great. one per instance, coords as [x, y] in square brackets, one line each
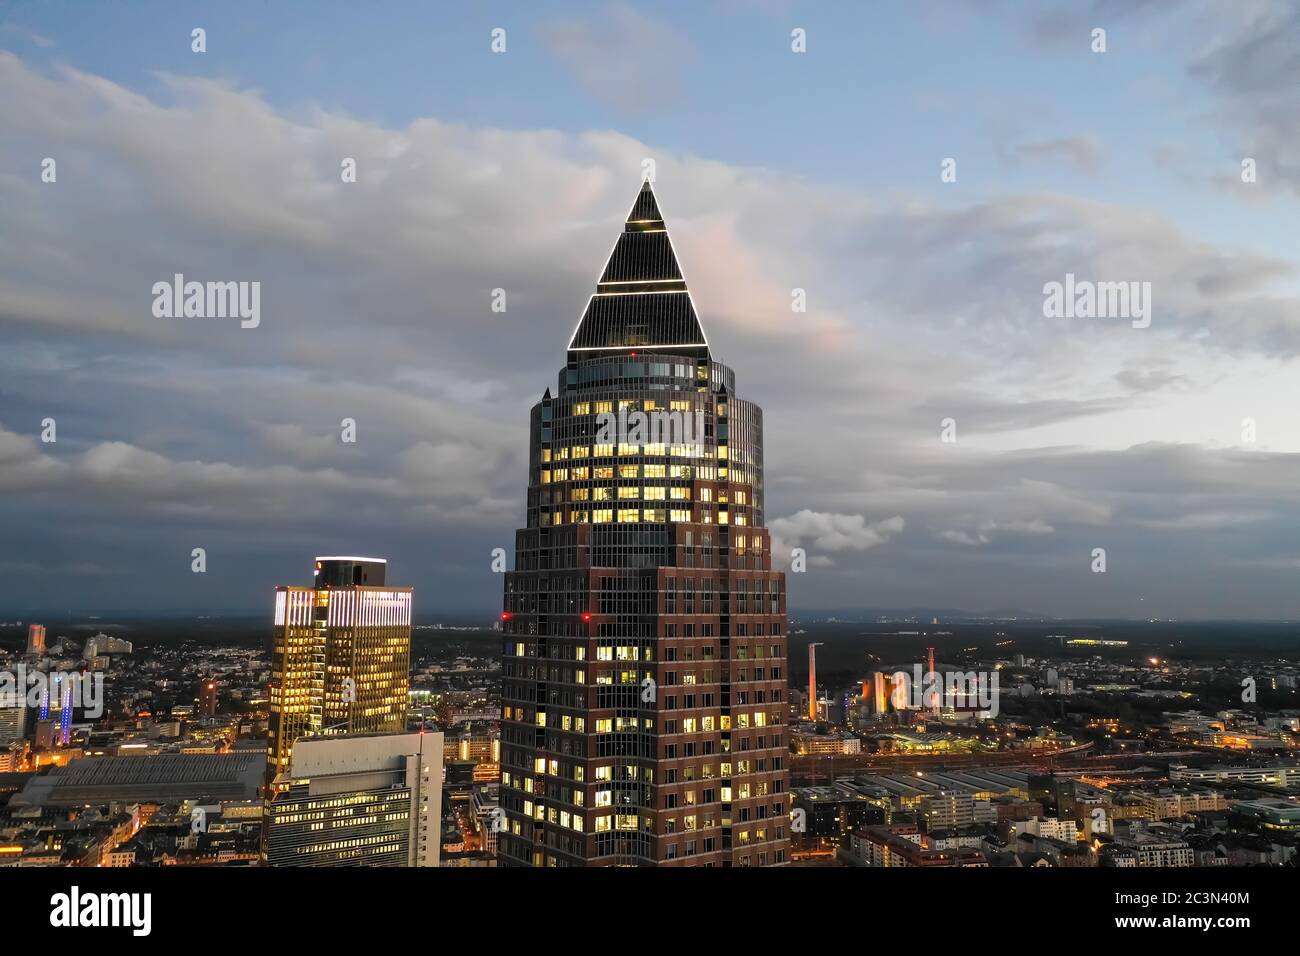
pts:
[36, 639]
[208, 697]
[102, 643]
[341, 657]
[644, 630]
[879, 692]
[370, 800]
[13, 718]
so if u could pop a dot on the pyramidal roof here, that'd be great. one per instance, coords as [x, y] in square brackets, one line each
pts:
[641, 299]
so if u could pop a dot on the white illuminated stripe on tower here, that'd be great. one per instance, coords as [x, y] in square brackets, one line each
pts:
[279, 608]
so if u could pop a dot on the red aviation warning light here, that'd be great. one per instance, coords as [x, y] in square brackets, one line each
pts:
[506, 615]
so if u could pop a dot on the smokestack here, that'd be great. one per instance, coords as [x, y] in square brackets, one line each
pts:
[812, 681]
[935, 697]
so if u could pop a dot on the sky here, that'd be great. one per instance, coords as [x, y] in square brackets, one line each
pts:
[1174, 448]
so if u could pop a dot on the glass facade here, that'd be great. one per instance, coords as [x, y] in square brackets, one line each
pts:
[644, 660]
[341, 659]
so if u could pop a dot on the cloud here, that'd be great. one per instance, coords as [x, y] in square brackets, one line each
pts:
[829, 532]
[1254, 70]
[1147, 377]
[1084, 152]
[621, 56]
[39, 40]
[377, 306]
[961, 537]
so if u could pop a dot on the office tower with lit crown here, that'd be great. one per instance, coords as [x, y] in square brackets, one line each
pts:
[644, 661]
[36, 640]
[341, 657]
[369, 800]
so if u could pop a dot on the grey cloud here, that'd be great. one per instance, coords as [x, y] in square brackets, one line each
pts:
[376, 307]
[1254, 68]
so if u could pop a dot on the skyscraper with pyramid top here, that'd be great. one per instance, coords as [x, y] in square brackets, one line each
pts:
[644, 662]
